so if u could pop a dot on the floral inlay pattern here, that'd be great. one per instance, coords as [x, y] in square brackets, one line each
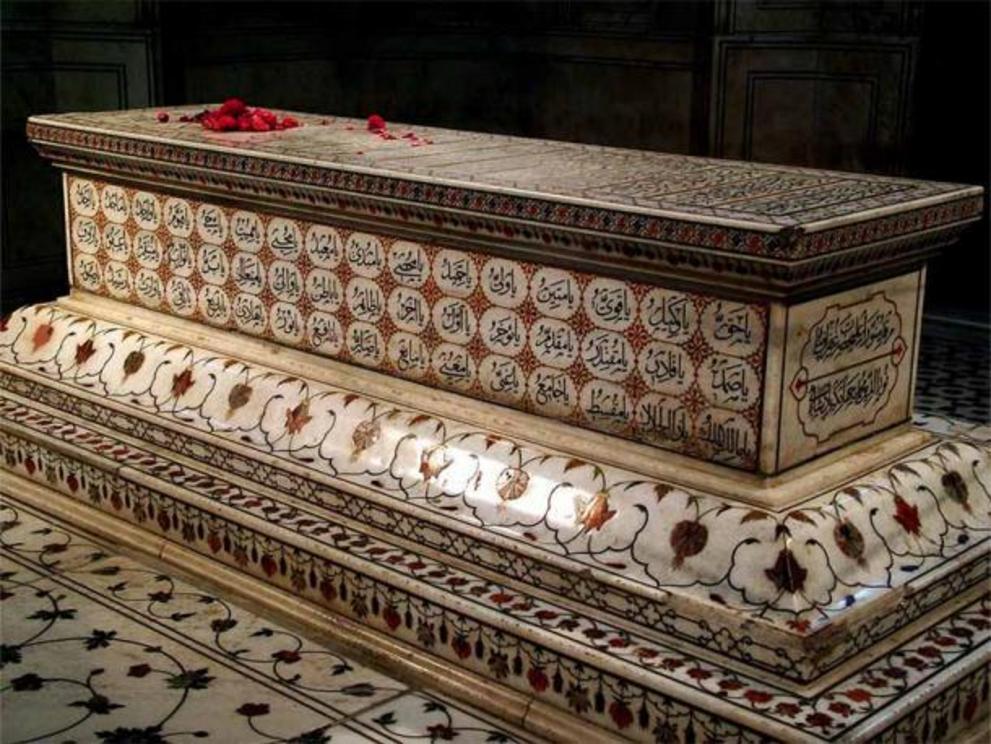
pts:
[483, 629]
[797, 569]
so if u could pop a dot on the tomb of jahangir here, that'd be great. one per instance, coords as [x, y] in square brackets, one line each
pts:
[625, 437]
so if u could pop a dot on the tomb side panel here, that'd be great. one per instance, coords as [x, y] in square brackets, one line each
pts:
[674, 369]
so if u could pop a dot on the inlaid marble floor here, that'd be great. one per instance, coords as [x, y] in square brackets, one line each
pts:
[954, 372]
[100, 647]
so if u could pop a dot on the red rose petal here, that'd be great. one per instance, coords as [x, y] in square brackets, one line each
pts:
[376, 123]
[233, 106]
[162, 116]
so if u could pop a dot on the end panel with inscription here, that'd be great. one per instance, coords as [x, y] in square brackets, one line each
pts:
[848, 366]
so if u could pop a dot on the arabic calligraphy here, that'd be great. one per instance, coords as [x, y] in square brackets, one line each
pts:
[849, 366]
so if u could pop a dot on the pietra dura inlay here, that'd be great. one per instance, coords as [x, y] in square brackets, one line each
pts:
[675, 369]
[663, 693]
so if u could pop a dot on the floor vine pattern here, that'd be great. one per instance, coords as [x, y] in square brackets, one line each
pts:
[97, 646]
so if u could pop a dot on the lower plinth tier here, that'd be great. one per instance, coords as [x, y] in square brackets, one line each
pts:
[582, 577]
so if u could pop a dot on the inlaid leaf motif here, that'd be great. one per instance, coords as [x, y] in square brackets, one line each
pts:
[42, 335]
[688, 538]
[597, 512]
[800, 516]
[133, 362]
[512, 484]
[787, 573]
[238, 398]
[753, 516]
[661, 490]
[574, 463]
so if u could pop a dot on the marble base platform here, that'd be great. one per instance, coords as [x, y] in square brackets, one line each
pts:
[656, 598]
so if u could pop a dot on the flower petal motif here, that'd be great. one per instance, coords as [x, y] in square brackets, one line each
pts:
[956, 488]
[287, 656]
[537, 678]
[433, 462]
[133, 362]
[42, 335]
[253, 709]
[239, 396]
[786, 573]
[859, 695]
[621, 714]
[233, 107]
[84, 351]
[366, 434]
[758, 697]
[182, 382]
[512, 483]
[849, 540]
[376, 123]
[298, 417]
[907, 515]
[597, 512]
[441, 732]
[688, 538]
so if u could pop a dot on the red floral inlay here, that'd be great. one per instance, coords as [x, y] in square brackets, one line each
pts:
[907, 515]
[42, 335]
[597, 513]
[84, 351]
[298, 417]
[182, 382]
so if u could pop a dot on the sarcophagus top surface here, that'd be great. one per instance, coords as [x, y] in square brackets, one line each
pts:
[747, 315]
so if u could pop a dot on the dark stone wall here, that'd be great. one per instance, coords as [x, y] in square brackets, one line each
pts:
[886, 86]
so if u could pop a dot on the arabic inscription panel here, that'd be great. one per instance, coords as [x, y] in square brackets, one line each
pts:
[678, 370]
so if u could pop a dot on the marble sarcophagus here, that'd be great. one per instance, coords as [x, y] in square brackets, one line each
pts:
[617, 438]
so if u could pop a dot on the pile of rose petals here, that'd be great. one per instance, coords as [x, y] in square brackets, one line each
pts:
[377, 126]
[234, 115]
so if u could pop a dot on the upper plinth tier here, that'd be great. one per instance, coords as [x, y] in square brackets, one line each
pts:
[741, 228]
